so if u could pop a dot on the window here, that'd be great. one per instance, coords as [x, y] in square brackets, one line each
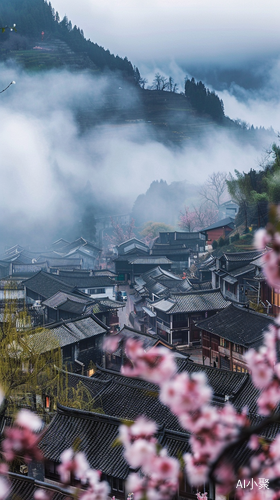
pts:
[238, 348]
[94, 291]
[224, 343]
[120, 485]
[117, 484]
[47, 403]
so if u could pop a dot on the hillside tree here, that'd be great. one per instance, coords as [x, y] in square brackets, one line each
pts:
[215, 189]
[28, 367]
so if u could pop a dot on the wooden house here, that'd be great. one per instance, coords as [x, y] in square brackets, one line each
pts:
[80, 341]
[227, 335]
[220, 229]
[115, 360]
[234, 273]
[177, 315]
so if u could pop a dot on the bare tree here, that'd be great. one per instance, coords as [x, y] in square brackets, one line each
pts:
[143, 82]
[214, 188]
[206, 214]
[172, 87]
[159, 82]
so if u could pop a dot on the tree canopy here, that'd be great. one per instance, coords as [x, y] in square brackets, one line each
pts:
[29, 360]
[254, 190]
[203, 100]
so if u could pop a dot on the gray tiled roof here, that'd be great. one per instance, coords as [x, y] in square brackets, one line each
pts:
[85, 280]
[150, 260]
[242, 270]
[46, 284]
[72, 306]
[125, 398]
[238, 325]
[24, 487]
[68, 332]
[243, 256]
[202, 300]
[96, 432]
[228, 221]
[60, 297]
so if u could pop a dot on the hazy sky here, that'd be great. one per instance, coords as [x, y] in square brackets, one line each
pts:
[200, 31]
[199, 38]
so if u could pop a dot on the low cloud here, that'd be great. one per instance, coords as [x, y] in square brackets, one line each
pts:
[47, 163]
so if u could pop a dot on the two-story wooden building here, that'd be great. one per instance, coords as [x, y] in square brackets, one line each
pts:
[227, 335]
[177, 315]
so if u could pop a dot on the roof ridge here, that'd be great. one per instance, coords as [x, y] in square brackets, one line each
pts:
[64, 410]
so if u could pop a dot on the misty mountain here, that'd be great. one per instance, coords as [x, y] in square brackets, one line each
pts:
[45, 41]
[79, 136]
[163, 202]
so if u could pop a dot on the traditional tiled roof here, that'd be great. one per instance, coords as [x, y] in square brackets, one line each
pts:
[60, 243]
[150, 260]
[72, 307]
[24, 487]
[223, 382]
[161, 283]
[84, 280]
[243, 256]
[205, 300]
[102, 305]
[74, 380]
[79, 243]
[104, 272]
[210, 261]
[203, 285]
[228, 221]
[96, 432]
[46, 284]
[61, 297]
[68, 332]
[238, 325]
[242, 270]
[126, 398]
[176, 443]
[130, 244]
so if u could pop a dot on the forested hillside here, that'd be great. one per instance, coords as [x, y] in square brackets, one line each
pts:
[36, 20]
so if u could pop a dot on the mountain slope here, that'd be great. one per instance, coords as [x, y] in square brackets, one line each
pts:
[34, 17]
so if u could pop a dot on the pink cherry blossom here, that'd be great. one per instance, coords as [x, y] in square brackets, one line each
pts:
[4, 488]
[29, 420]
[20, 442]
[136, 484]
[111, 343]
[261, 239]
[41, 494]
[2, 397]
[185, 393]
[201, 496]
[73, 463]
[140, 452]
[97, 490]
[157, 365]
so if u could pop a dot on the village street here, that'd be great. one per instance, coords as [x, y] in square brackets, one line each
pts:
[128, 306]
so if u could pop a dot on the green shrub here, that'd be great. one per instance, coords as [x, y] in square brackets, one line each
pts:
[214, 244]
